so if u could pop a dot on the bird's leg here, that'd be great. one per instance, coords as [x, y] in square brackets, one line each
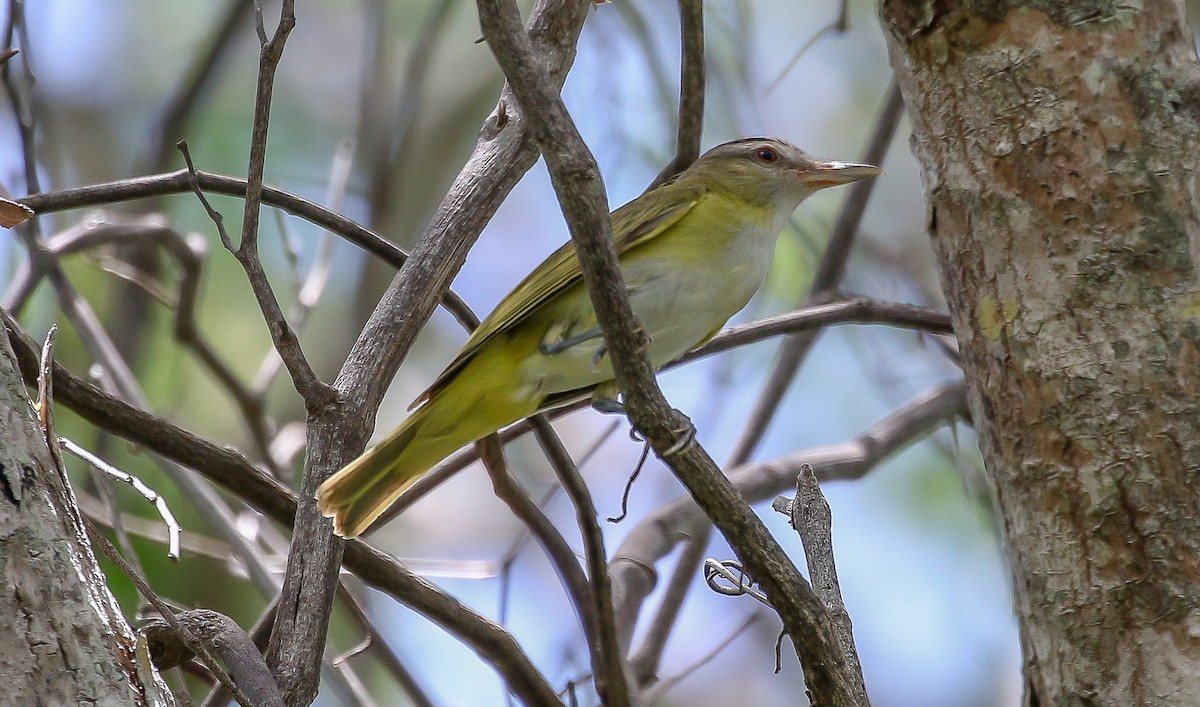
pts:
[600, 352]
[604, 399]
[554, 343]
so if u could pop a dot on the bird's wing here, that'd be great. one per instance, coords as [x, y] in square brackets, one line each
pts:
[633, 224]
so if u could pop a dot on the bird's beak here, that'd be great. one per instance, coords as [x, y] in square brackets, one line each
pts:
[831, 174]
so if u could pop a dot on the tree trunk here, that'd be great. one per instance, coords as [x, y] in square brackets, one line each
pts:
[1059, 150]
[63, 640]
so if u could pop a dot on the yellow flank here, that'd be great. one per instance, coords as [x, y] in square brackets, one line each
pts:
[692, 252]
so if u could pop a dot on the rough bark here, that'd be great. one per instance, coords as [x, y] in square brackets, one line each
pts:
[1058, 145]
[63, 640]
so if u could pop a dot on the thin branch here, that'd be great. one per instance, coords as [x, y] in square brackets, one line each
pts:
[160, 503]
[691, 91]
[107, 229]
[391, 661]
[681, 520]
[561, 557]
[194, 644]
[607, 658]
[287, 345]
[645, 661]
[810, 516]
[121, 381]
[824, 285]
[857, 310]
[169, 648]
[655, 695]
[181, 181]
[194, 543]
[309, 291]
[509, 558]
[495, 645]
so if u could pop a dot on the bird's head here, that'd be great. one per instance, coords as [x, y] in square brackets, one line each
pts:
[769, 172]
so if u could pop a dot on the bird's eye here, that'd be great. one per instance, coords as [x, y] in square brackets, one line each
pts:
[766, 155]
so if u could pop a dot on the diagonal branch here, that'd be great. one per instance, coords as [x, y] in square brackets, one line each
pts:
[338, 430]
[607, 662]
[825, 283]
[581, 194]
[679, 521]
[231, 470]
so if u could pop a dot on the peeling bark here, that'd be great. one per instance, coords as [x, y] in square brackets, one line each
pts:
[1059, 151]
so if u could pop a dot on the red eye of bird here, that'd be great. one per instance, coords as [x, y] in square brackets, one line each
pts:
[766, 155]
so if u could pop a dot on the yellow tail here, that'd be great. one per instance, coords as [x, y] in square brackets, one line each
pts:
[465, 410]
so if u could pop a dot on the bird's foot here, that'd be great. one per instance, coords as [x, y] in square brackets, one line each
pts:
[685, 436]
[604, 399]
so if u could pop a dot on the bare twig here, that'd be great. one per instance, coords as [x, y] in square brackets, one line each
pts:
[137, 526]
[194, 644]
[103, 229]
[645, 661]
[404, 677]
[607, 659]
[682, 521]
[287, 345]
[655, 695]
[858, 310]
[309, 291]
[691, 91]
[510, 556]
[181, 181]
[145, 491]
[553, 544]
[809, 514]
[169, 648]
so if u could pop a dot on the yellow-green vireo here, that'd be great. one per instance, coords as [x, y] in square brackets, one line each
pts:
[693, 251]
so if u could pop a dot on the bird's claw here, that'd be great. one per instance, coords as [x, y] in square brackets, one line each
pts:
[685, 436]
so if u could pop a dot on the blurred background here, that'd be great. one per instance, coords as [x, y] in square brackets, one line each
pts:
[395, 93]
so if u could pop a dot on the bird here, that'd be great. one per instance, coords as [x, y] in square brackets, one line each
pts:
[693, 251]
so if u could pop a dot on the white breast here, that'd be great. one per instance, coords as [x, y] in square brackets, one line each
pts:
[678, 308]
